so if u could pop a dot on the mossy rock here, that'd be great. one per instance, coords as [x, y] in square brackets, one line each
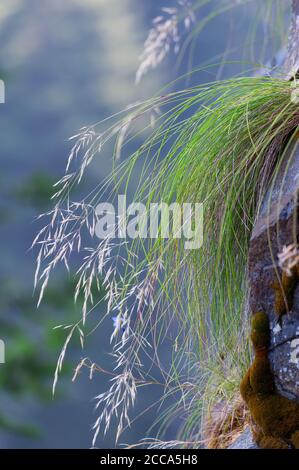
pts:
[276, 418]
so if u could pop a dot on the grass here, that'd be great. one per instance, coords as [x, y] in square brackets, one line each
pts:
[219, 144]
[219, 156]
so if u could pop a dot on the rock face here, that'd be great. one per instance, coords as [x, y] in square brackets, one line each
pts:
[275, 228]
[292, 62]
[245, 441]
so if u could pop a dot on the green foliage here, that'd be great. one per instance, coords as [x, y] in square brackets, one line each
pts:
[215, 140]
[217, 144]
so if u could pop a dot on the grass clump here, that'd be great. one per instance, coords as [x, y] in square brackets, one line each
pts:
[223, 155]
[219, 144]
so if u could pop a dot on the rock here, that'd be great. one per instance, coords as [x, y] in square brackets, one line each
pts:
[292, 62]
[245, 441]
[276, 227]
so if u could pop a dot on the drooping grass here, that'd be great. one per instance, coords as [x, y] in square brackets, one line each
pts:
[217, 144]
[220, 155]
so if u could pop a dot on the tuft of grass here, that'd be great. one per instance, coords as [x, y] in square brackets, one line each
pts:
[219, 144]
[222, 155]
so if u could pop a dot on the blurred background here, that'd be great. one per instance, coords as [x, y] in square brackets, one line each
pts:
[67, 64]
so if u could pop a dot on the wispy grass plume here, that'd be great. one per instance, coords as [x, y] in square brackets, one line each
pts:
[177, 27]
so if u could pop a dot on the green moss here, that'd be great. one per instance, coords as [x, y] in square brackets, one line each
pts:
[276, 418]
[261, 377]
[274, 414]
[268, 442]
[260, 331]
[245, 387]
